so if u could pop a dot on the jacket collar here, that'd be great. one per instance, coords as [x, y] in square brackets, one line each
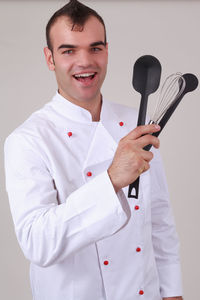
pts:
[109, 117]
[70, 110]
[75, 112]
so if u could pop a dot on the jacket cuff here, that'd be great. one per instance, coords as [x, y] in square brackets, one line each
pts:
[170, 281]
[101, 211]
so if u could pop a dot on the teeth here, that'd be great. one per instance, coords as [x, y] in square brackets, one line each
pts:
[84, 75]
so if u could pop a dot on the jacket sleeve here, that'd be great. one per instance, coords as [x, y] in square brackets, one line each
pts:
[48, 232]
[164, 235]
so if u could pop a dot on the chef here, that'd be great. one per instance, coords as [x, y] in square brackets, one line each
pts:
[68, 168]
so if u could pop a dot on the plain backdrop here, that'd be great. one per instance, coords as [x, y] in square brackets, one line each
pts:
[168, 30]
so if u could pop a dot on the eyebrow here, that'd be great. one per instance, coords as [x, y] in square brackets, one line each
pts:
[97, 44]
[69, 46]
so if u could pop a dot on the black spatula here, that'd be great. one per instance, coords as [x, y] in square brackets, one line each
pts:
[146, 80]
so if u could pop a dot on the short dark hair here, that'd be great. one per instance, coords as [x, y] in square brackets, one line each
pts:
[78, 14]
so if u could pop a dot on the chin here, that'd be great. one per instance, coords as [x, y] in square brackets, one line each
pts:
[89, 98]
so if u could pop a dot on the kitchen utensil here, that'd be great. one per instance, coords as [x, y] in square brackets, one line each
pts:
[191, 83]
[146, 80]
[172, 92]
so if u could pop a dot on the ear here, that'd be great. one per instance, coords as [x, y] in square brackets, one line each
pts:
[49, 58]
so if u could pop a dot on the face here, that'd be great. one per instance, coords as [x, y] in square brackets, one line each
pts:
[79, 59]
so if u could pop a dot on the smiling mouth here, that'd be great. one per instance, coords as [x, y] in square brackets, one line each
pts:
[85, 77]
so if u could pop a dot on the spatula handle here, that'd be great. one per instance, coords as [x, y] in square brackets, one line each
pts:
[142, 110]
[133, 190]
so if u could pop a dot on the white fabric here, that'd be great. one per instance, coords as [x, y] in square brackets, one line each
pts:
[68, 223]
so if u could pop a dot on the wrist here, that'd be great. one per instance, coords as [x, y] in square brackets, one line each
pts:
[115, 186]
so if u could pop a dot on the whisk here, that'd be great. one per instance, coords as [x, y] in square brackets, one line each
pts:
[182, 85]
[172, 91]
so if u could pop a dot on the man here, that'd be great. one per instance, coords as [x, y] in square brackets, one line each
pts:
[68, 169]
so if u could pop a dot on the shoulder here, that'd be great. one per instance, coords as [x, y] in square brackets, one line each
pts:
[36, 121]
[32, 129]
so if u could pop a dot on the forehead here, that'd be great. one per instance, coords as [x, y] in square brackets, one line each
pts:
[61, 32]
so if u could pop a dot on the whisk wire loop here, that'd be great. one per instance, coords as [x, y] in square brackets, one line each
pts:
[171, 89]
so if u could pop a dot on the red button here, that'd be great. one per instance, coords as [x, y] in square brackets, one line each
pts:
[89, 174]
[69, 134]
[137, 207]
[106, 262]
[138, 249]
[121, 123]
[141, 292]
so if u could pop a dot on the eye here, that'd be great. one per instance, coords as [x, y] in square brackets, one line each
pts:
[96, 49]
[70, 51]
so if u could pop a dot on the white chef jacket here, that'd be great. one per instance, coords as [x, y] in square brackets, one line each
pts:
[84, 241]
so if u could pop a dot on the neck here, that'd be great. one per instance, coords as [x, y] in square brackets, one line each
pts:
[93, 106]
[95, 110]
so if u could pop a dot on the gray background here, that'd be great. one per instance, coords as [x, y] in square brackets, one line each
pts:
[167, 29]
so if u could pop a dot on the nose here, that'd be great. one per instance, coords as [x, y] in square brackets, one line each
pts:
[84, 59]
